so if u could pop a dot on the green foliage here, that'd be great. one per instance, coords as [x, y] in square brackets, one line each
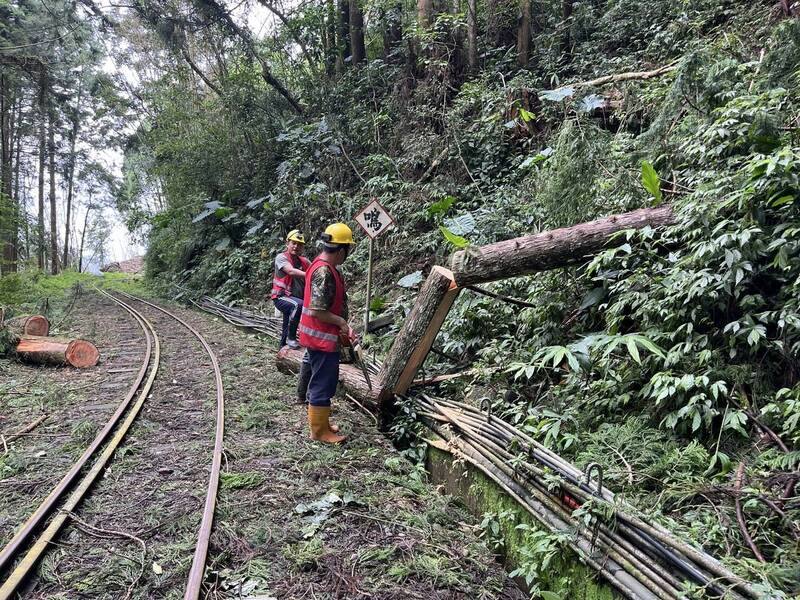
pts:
[651, 182]
[656, 357]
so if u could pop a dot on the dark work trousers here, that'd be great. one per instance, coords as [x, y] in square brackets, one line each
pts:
[291, 307]
[304, 378]
[324, 377]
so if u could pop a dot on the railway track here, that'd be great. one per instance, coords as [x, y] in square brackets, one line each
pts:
[32, 539]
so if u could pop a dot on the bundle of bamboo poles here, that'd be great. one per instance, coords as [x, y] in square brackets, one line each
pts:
[250, 319]
[640, 559]
[242, 317]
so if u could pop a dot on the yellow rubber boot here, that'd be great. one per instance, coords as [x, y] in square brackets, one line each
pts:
[320, 427]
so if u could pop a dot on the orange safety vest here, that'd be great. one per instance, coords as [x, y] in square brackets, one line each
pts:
[282, 286]
[314, 334]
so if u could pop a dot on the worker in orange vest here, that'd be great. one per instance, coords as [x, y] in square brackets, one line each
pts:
[324, 318]
[288, 286]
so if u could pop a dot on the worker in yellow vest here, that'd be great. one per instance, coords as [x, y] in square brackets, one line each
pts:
[288, 286]
[323, 320]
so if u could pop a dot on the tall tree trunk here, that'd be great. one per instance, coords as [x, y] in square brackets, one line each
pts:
[18, 200]
[357, 32]
[51, 155]
[424, 12]
[83, 234]
[331, 50]
[343, 35]
[472, 34]
[42, 152]
[8, 221]
[73, 136]
[524, 33]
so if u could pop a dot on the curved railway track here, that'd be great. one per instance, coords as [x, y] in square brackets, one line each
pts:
[34, 536]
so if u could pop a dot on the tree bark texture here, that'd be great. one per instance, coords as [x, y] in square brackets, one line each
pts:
[58, 351]
[350, 376]
[472, 34]
[331, 51]
[357, 33]
[28, 325]
[418, 333]
[550, 249]
[343, 35]
[524, 33]
[424, 12]
[83, 235]
[51, 155]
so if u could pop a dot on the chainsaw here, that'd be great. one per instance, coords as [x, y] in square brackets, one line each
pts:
[351, 353]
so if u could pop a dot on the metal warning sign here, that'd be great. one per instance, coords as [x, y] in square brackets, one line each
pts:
[374, 219]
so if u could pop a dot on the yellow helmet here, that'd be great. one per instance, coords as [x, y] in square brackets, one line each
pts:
[295, 235]
[338, 233]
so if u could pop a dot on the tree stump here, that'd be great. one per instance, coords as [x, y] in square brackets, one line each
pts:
[58, 351]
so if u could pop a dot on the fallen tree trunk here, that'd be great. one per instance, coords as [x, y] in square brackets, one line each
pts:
[57, 351]
[28, 325]
[350, 376]
[549, 249]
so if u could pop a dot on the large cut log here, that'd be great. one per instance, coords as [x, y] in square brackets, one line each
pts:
[350, 376]
[550, 249]
[415, 338]
[28, 325]
[58, 351]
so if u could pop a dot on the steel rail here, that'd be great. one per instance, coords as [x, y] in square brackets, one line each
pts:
[30, 559]
[195, 580]
[13, 546]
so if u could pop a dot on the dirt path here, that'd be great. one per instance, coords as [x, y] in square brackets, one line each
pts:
[295, 519]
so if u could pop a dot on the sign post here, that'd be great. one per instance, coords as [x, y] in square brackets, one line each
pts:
[374, 220]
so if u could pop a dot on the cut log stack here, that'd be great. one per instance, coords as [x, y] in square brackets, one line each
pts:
[29, 339]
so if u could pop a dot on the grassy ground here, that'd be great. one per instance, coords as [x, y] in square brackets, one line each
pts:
[295, 518]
